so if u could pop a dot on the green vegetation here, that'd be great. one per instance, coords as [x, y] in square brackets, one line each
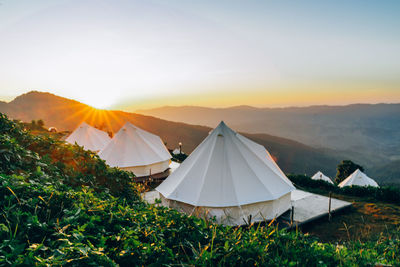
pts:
[61, 205]
[179, 157]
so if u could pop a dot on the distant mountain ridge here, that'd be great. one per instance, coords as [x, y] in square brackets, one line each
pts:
[66, 114]
[366, 132]
[292, 156]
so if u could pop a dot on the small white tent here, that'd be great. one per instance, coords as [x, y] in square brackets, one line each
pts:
[358, 178]
[320, 176]
[89, 137]
[176, 151]
[136, 150]
[228, 177]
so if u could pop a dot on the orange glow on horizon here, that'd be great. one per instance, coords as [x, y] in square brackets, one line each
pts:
[269, 98]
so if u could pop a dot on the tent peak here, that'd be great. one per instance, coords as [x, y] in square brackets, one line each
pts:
[319, 175]
[222, 124]
[83, 123]
[132, 147]
[222, 127]
[89, 137]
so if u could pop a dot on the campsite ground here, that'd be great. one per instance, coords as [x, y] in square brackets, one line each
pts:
[365, 220]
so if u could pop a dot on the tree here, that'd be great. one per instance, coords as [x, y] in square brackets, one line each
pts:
[345, 168]
[40, 123]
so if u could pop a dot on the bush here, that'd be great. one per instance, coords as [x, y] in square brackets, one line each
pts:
[179, 157]
[21, 152]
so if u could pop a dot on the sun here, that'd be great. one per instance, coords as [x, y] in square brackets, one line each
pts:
[99, 101]
[100, 104]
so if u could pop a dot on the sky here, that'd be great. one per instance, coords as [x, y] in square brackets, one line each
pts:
[129, 55]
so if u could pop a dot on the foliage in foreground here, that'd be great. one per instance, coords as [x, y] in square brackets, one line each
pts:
[56, 211]
[41, 225]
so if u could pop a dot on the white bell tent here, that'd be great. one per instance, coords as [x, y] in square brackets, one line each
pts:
[358, 178]
[136, 150]
[320, 176]
[89, 137]
[228, 177]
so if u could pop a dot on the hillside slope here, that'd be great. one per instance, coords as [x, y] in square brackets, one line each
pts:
[66, 114]
[388, 173]
[366, 132]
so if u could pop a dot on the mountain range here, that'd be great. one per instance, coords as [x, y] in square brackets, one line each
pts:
[368, 133]
[292, 156]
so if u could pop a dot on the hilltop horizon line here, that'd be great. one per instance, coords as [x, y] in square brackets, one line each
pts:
[244, 106]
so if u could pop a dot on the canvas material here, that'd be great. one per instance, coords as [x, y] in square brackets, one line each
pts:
[174, 165]
[320, 176]
[89, 137]
[226, 170]
[237, 215]
[146, 170]
[176, 151]
[133, 147]
[358, 178]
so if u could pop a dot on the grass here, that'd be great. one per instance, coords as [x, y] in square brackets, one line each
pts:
[362, 222]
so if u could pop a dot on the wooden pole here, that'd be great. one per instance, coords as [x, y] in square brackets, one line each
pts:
[291, 216]
[330, 203]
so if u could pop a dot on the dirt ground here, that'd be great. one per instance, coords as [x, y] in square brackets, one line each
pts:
[363, 221]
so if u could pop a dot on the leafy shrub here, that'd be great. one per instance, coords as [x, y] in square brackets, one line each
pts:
[21, 152]
[179, 157]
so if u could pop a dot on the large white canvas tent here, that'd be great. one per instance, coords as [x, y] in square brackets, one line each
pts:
[89, 137]
[136, 150]
[228, 177]
[358, 178]
[320, 176]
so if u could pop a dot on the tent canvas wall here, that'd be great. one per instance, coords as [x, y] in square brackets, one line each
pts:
[320, 176]
[136, 150]
[88, 137]
[173, 166]
[358, 178]
[228, 177]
